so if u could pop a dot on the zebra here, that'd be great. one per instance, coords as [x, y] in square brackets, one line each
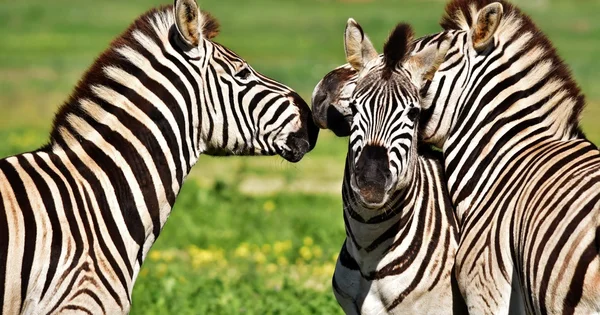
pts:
[401, 233]
[522, 176]
[79, 215]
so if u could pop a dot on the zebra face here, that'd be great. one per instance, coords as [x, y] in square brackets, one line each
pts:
[242, 111]
[382, 138]
[331, 100]
[379, 104]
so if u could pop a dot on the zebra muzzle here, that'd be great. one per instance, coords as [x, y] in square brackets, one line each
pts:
[371, 176]
[302, 141]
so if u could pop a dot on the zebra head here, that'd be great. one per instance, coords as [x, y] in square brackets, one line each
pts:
[331, 100]
[379, 102]
[243, 112]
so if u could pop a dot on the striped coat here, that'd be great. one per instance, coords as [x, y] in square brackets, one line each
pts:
[79, 215]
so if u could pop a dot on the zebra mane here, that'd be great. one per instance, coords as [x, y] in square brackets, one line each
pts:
[156, 24]
[397, 47]
[461, 15]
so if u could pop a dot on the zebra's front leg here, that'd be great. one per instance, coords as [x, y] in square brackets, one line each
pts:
[345, 284]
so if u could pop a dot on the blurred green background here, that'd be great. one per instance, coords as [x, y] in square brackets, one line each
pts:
[248, 235]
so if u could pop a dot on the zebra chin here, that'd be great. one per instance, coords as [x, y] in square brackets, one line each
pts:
[371, 196]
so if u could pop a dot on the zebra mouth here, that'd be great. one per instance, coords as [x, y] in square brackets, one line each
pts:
[294, 149]
[371, 178]
[372, 196]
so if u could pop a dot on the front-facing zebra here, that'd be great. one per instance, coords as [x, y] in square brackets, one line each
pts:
[523, 178]
[78, 216]
[401, 233]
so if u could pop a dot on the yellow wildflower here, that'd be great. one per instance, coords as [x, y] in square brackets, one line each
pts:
[260, 258]
[155, 255]
[168, 256]
[282, 261]
[305, 253]
[161, 269]
[282, 247]
[269, 206]
[266, 249]
[317, 252]
[271, 268]
[308, 241]
[242, 251]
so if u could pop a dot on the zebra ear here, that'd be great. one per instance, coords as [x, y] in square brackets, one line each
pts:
[187, 21]
[359, 49]
[488, 20]
[424, 64]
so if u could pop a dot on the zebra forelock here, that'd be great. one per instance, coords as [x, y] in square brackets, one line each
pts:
[397, 48]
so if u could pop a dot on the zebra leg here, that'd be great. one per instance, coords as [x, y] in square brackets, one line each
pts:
[346, 283]
[517, 303]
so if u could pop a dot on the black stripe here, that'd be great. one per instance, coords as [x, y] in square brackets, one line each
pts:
[29, 225]
[142, 175]
[4, 241]
[145, 136]
[122, 192]
[48, 199]
[105, 211]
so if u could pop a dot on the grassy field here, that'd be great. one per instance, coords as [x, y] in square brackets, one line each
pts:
[248, 235]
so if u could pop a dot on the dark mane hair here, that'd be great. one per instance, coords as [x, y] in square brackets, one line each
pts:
[459, 16]
[95, 74]
[397, 47]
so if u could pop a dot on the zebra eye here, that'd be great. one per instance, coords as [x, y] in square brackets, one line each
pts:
[413, 113]
[243, 74]
[353, 107]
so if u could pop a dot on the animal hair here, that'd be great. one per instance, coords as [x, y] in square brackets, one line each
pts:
[95, 74]
[462, 15]
[397, 47]
[210, 25]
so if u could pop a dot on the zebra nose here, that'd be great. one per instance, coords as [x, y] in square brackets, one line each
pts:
[372, 174]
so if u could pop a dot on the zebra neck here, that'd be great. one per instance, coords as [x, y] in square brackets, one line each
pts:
[519, 96]
[134, 179]
[136, 138]
[374, 233]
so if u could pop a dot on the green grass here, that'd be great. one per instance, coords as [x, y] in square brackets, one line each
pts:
[217, 253]
[225, 253]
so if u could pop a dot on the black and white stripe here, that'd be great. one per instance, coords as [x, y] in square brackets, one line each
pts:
[79, 215]
[522, 176]
[401, 233]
